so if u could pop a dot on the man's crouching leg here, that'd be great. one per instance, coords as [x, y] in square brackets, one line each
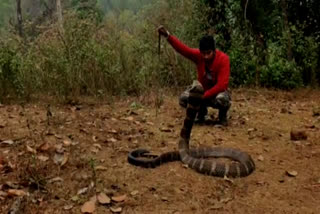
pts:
[223, 102]
[202, 113]
[183, 99]
[202, 116]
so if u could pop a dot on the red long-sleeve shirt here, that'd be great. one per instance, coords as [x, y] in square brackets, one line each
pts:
[220, 68]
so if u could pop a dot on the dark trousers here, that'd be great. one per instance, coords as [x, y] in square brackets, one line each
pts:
[221, 101]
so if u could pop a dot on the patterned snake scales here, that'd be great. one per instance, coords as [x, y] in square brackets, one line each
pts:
[197, 158]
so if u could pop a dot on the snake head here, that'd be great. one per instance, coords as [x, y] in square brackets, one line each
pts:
[197, 87]
[142, 153]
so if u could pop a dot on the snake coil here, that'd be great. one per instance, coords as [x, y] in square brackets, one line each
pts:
[197, 158]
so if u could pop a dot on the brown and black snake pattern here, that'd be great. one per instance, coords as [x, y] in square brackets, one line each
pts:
[197, 158]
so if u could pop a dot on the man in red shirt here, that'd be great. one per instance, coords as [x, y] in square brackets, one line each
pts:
[213, 67]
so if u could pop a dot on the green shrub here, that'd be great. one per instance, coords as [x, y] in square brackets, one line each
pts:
[243, 63]
[278, 71]
[118, 54]
[306, 52]
[10, 64]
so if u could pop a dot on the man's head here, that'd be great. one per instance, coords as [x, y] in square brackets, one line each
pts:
[207, 48]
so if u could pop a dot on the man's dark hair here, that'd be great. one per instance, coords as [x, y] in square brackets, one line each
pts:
[207, 43]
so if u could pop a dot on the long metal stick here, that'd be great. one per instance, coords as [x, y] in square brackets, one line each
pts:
[159, 45]
[158, 94]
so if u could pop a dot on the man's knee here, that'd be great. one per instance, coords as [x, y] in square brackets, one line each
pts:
[223, 100]
[183, 99]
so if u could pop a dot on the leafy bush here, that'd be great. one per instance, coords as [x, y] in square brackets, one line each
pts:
[306, 52]
[10, 64]
[243, 62]
[118, 53]
[278, 71]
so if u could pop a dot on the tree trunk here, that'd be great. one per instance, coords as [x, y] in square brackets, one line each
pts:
[19, 18]
[284, 7]
[59, 15]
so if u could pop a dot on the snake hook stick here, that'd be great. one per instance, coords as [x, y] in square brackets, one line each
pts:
[159, 45]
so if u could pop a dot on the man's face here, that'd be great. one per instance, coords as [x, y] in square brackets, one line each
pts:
[208, 56]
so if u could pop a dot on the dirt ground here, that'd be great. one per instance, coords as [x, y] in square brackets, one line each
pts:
[56, 159]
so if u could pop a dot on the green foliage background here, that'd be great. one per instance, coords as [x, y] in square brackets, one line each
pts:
[111, 47]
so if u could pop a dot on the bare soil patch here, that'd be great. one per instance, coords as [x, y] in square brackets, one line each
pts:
[64, 156]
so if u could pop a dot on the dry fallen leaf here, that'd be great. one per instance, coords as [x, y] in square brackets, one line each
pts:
[43, 158]
[11, 166]
[16, 192]
[67, 142]
[82, 191]
[44, 147]
[7, 142]
[56, 179]
[135, 192]
[165, 130]
[65, 159]
[129, 118]
[31, 150]
[164, 198]
[88, 207]
[103, 199]
[59, 148]
[119, 198]
[137, 122]
[11, 185]
[68, 207]
[58, 136]
[84, 131]
[97, 145]
[228, 179]
[95, 138]
[94, 150]
[112, 140]
[116, 209]
[113, 131]
[261, 158]
[101, 168]
[292, 173]
[74, 143]
[252, 130]
[60, 159]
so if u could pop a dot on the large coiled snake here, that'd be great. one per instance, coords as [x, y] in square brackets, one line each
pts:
[197, 158]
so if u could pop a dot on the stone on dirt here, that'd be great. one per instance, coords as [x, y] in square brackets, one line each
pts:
[298, 135]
